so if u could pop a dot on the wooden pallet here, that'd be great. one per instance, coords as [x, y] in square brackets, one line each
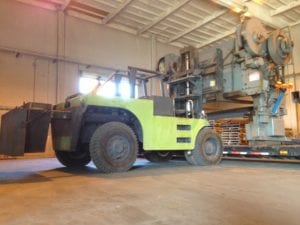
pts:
[232, 131]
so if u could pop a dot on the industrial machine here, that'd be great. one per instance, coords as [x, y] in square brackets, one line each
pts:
[111, 131]
[251, 73]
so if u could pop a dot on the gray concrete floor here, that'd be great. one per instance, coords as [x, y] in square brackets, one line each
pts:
[41, 191]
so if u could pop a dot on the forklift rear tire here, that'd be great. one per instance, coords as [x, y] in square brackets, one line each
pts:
[73, 159]
[208, 149]
[113, 147]
[158, 156]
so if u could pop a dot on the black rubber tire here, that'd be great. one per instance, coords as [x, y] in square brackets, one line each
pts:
[113, 147]
[208, 149]
[158, 156]
[73, 159]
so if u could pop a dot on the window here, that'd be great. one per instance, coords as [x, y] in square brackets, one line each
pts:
[87, 84]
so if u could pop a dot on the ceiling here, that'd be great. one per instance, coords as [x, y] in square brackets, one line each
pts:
[198, 23]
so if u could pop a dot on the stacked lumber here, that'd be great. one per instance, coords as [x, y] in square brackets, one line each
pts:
[232, 131]
[289, 132]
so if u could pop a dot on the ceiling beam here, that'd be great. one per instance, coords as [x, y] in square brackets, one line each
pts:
[263, 14]
[253, 10]
[217, 38]
[294, 24]
[118, 10]
[285, 8]
[59, 2]
[97, 21]
[82, 16]
[66, 4]
[163, 16]
[44, 5]
[86, 12]
[233, 4]
[92, 3]
[202, 23]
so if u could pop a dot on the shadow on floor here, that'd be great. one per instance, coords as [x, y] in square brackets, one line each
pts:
[141, 168]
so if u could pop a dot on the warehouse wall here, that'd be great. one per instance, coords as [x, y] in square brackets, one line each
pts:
[35, 31]
[292, 119]
[295, 31]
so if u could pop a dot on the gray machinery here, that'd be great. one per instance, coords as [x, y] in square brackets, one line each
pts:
[253, 69]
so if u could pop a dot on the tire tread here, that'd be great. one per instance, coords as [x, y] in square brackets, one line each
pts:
[196, 156]
[95, 146]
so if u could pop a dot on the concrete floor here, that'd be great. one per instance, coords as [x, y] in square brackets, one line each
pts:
[41, 191]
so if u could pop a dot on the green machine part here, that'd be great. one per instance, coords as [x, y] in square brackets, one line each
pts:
[159, 132]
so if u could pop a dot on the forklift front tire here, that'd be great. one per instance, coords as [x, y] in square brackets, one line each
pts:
[208, 149]
[113, 147]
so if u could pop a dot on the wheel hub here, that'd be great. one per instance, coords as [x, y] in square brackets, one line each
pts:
[118, 147]
[211, 146]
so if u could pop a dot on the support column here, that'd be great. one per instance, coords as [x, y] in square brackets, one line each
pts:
[60, 65]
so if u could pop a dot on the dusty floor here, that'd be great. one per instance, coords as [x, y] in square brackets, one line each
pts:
[41, 191]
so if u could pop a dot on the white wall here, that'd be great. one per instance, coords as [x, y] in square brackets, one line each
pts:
[26, 27]
[295, 32]
[37, 30]
[292, 118]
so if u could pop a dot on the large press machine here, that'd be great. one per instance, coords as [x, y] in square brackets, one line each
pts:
[251, 72]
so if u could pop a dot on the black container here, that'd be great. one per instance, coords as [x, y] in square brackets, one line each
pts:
[25, 129]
